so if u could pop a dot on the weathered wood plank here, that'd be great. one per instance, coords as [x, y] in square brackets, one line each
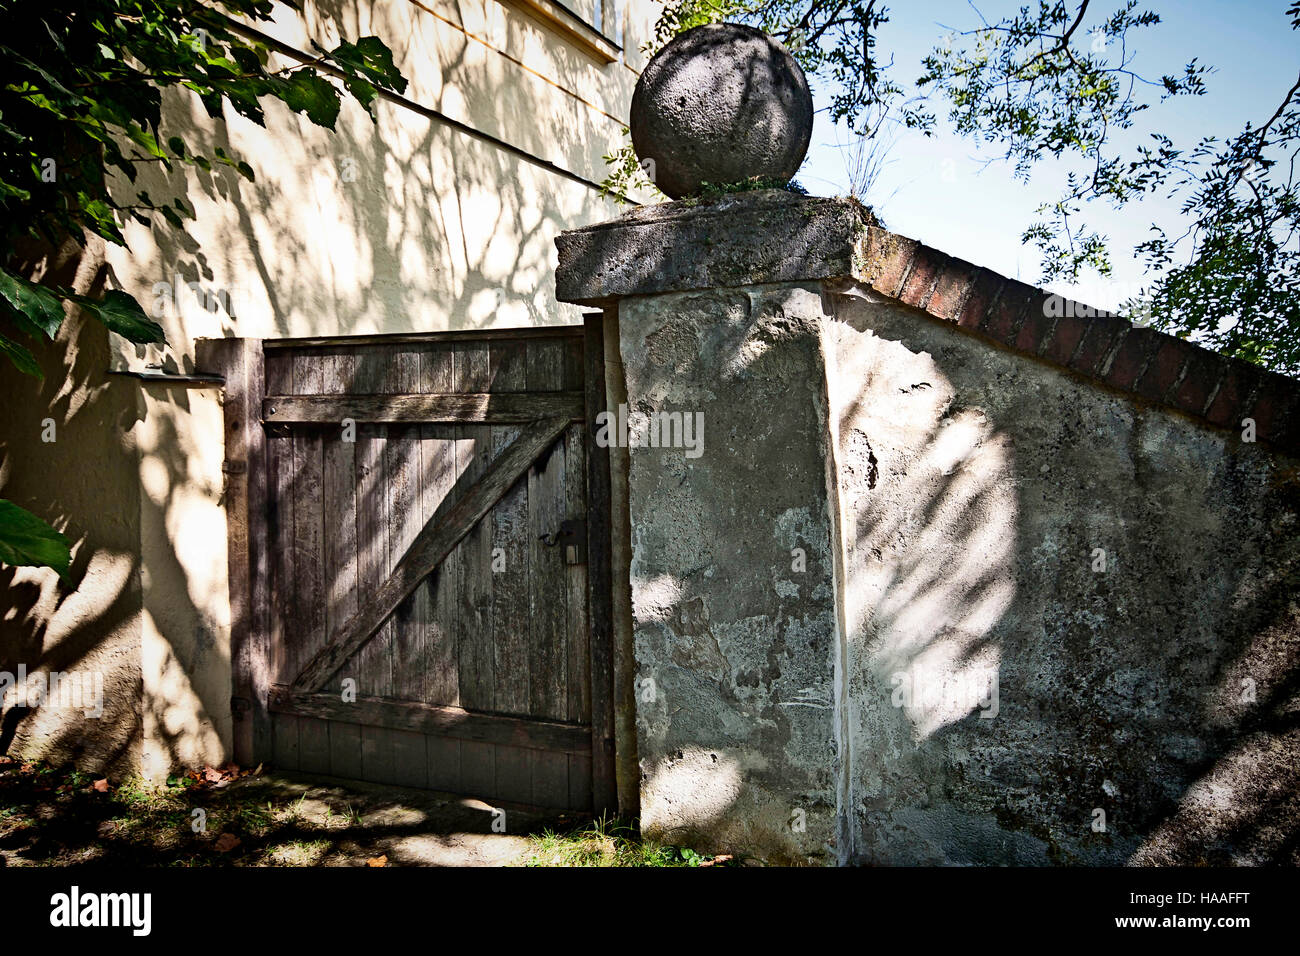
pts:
[578, 680]
[313, 745]
[452, 722]
[478, 768]
[310, 588]
[545, 635]
[428, 550]
[471, 369]
[372, 666]
[410, 758]
[443, 757]
[280, 522]
[550, 779]
[284, 741]
[599, 581]
[414, 408]
[436, 604]
[404, 522]
[389, 340]
[345, 750]
[340, 508]
[510, 552]
[579, 782]
[377, 761]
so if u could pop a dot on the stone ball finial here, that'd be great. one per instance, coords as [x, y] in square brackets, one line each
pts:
[720, 104]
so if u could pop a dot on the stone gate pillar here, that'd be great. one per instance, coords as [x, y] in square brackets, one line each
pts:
[731, 504]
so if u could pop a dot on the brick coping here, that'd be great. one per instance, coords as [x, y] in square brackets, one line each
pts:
[1099, 346]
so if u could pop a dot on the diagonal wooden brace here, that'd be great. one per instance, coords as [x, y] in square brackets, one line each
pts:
[430, 547]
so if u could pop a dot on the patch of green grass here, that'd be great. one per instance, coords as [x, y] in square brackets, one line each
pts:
[298, 853]
[712, 192]
[606, 842]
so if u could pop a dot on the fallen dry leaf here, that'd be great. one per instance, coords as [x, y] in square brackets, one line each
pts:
[226, 842]
[377, 861]
[721, 858]
[100, 786]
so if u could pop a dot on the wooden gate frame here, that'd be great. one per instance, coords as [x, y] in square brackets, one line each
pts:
[246, 410]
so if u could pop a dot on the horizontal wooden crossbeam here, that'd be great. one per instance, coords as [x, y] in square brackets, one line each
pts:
[488, 408]
[430, 719]
[427, 551]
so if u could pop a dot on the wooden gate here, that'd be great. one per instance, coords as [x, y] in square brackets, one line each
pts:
[419, 567]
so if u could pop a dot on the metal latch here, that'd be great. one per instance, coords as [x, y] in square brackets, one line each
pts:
[572, 535]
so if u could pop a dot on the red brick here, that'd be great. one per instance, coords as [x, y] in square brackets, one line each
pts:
[1065, 337]
[890, 256]
[1170, 356]
[987, 286]
[1034, 331]
[1232, 401]
[1016, 301]
[1131, 358]
[1102, 333]
[951, 290]
[1204, 369]
[926, 266]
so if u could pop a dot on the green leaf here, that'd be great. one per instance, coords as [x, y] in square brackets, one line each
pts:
[120, 313]
[27, 541]
[306, 91]
[20, 356]
[42, 306]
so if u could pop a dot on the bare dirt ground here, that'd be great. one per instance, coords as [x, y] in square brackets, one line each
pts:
[231, 817]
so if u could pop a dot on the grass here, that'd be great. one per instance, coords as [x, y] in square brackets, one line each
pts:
[607, 842]
[712, 192]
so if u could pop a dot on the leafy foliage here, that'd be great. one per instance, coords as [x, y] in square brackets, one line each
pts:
[1057, 79]
[82, 95]
[81, 86]
[27, 540]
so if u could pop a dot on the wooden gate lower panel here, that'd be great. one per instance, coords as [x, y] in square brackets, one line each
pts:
[499, 631]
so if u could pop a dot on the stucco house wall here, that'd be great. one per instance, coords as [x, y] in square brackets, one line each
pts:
[438, 215]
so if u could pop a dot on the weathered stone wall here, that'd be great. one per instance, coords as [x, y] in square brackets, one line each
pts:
[1002, 688]
[733, 596]
[1049, 608]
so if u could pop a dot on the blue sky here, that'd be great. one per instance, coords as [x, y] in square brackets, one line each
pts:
[940, 190]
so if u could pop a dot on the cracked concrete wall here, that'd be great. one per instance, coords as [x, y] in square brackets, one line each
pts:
[1072, 619]
[732, 573]
[1041, 621]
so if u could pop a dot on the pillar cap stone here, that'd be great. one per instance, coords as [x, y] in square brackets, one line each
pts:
[748, 238]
